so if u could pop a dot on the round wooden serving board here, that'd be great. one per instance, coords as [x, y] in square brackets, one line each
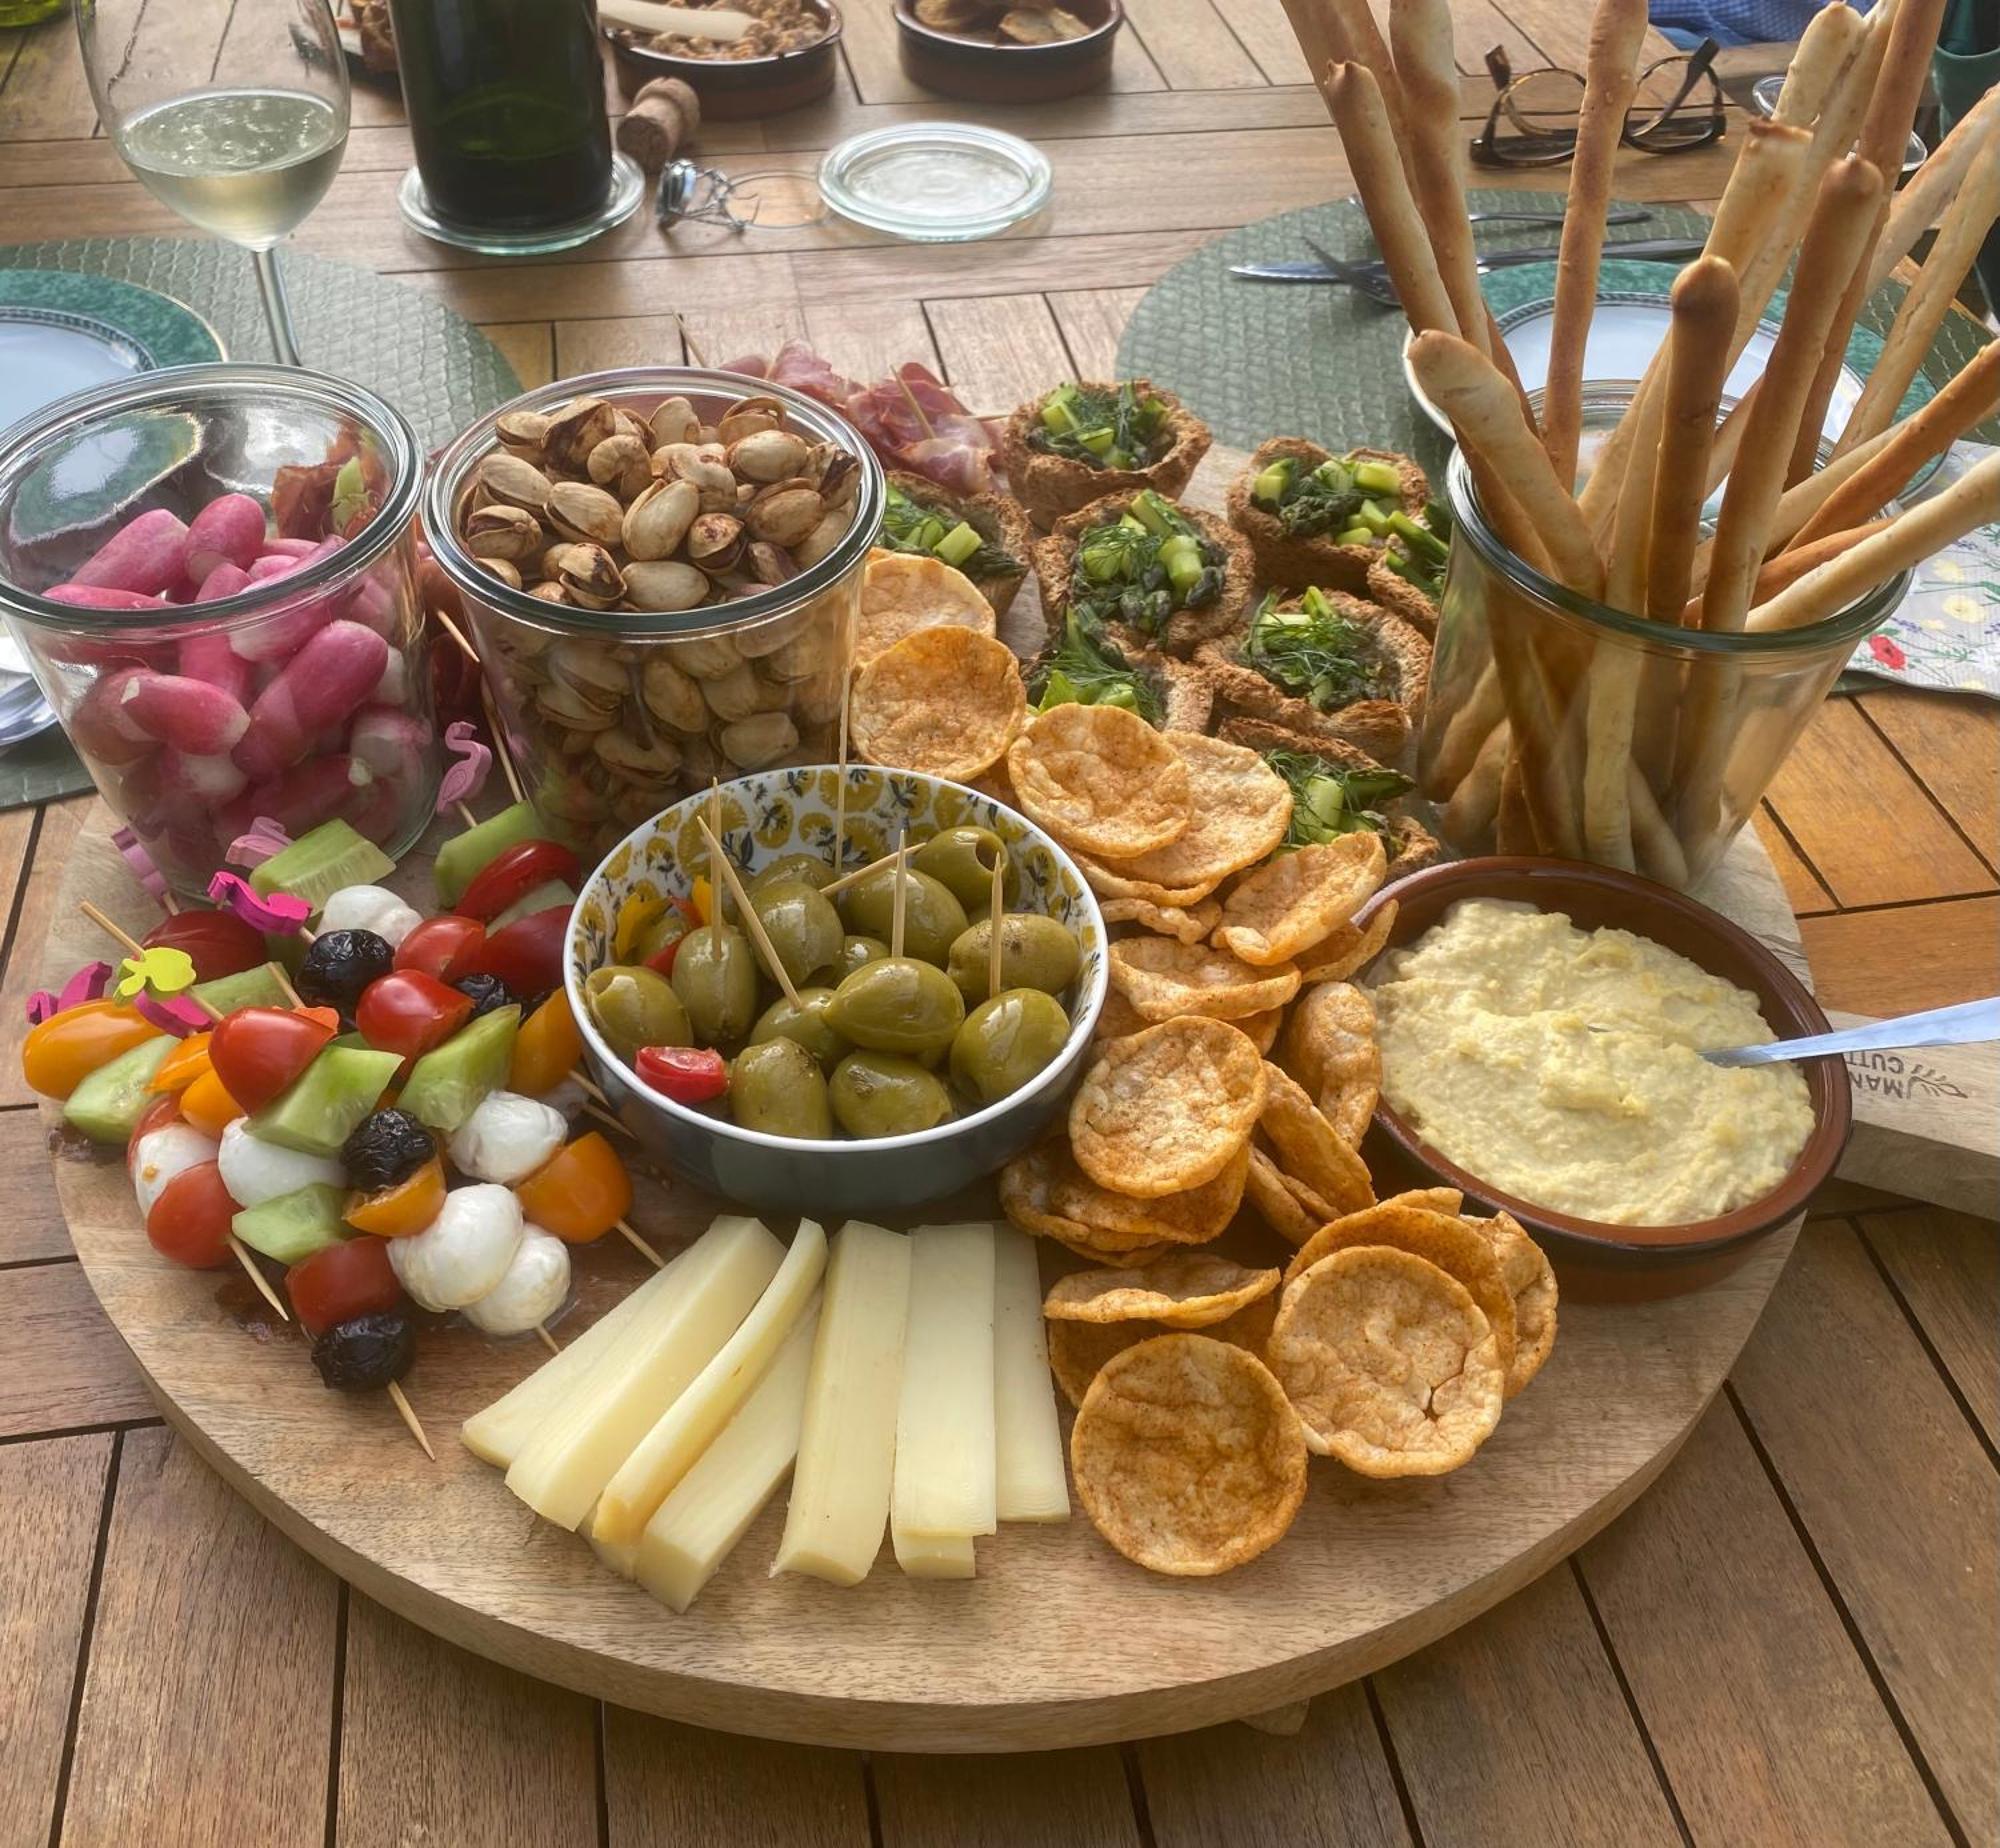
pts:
[1059, 1641]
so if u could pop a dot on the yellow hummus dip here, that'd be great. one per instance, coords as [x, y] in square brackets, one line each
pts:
[1562, 1066]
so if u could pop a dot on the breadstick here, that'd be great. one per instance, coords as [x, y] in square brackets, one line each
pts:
[1879, 469]
[1466, 821]
[1971, 501]
[1513, 826]
[1468, 387]
[1792, 564]
[1611, 80]
[1704, 316]
[1420, 34]
[1835, 247]
[1356, 101]
[1883, 141]
[1658, 849]
[1920, 204]
[1445, 766]
[1344, 31]
[1929, 298]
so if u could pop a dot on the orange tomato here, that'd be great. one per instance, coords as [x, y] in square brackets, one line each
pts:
[187, 1062]
[546, 1048]
[65, 1049]
[399, 1211]
[208, 1106]
[580, 1192]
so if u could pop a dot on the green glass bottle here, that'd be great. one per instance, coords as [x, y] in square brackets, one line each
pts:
[506, 107]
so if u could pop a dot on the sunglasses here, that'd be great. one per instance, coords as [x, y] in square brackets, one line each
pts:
[1533, 120]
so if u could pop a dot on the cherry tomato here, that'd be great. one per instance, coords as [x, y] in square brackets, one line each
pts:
[398, 1211]
[339, 1282]
[217, 942]
[65, 1049]
[258, 1052]
[208, 1105]
[687, 1074]
[190, 1221]
[158, 1114]
[409, 1012]
[580, 1192]
[513, 874]
[187, 1062]
[442, 947]
[546, 1049]
[527, 954]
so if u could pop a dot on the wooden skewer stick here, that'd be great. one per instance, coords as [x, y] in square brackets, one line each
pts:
[170, 904]
[835, 887]
[751, 921]
[896, 914]
[840, 770]
[608, 1120]
[639, 1245]
[917, 409]
[457, 634]
[501, 750]
[548, 1340]
[996, 909]
[466, 815]
[408, 1413]
[688, 341]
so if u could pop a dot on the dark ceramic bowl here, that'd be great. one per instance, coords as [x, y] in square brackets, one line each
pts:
[1609, 1260]
[782, 811]
[990, 73]
[736, 89]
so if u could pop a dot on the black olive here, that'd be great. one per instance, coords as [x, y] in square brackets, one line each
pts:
[339, 964]
[487, 992]
[384, 1148]
[366, 1353]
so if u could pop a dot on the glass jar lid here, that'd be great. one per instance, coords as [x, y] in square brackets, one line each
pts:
[936, 182]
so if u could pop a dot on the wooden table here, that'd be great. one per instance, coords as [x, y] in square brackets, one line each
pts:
[1791, 1637]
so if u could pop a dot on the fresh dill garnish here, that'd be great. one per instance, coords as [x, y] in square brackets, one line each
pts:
[1328, 802]
[1143, 567]
[1101, 429]
[910, 526]
[1087, 671]
[1312, 652]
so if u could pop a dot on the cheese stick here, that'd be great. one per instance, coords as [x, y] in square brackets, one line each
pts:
[1365, 134]
[1617, 30]
[1029, 1480]
[944, 1482]
[1420, 35]
[1973, 500]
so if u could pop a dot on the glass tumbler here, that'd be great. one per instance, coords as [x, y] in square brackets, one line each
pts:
[299, 690]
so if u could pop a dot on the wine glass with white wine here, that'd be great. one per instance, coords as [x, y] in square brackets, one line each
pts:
[244, 144]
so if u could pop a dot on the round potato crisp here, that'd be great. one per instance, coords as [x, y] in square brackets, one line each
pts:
[902, 592]
[1190, 1289]
[1100, 779]
[1532, 1283]
[1187, 1456]
[1242, 808]
[1166, 1109]
[1077, 1350]
[1291, 903]
[1277, 1204]
[1308, 1147]
[1329, 1046]
[1162, 978]
[1044, 1192]
[1183, 923]
[946, 702]
[1262, 1028]
[1348, 948]
[1389, 1362]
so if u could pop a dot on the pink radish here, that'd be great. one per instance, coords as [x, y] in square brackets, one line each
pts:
[378, 816]
[191, 715]
[226, 580]
[393, 689]
[102, 727]
[324, 682]
[285, 631]
[210, 658]
[290, 548]
[98, 597]
[228, 531]
[302, 798]
[209, 780]
[389, 742]
[273, 565]
[146, 554]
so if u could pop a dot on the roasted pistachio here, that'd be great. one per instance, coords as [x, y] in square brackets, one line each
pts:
[673, 421]
[591, 576]
[768, 455]
[512, 482]
[576, 429]
[583, 512]
[664, 585]
[508, 573]
[771, 564]
[502, 531]
[754, 744]
[658, 520]
[715, 542]
[672, 697]
[747, 417]
[785, 513]
[621, 463]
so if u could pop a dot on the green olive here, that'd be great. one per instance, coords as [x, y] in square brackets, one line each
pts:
[1006, 1041]
[961, 859]
[932, 917]
[776, 1086]
[855, 953]
[1035, 952]
[634, 1007]
[807, 1023]
[879, 1094]
[715, 975]
[813, 868]
[897, 1005]
[803, 927]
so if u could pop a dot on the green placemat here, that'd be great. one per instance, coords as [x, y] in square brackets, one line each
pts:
[1262, 359]
[438, 369]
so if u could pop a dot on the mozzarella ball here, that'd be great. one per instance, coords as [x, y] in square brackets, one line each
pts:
[254, 1170]
[566, 1095]
[162, 1153]
[534, 1288]
[463, 1252]
[507, 1138]
[369, 907]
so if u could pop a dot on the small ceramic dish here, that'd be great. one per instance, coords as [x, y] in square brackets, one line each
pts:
[982, 71]
[783, 811]
[737, 89]
[1634, 1261]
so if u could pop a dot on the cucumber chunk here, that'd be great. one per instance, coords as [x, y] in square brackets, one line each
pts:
[294, 1225]
[108, 1104]
[318, 864]
[462, 857]
[337, 1090]
[451, 1081]
[257, 987]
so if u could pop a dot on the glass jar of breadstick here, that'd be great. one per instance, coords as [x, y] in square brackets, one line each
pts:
[1558, 725]
[661, 569]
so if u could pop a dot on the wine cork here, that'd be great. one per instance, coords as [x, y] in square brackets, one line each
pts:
[661, 122]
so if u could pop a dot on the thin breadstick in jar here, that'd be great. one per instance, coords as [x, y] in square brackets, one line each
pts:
[1788, 566]
[1973, 500]
[1975, 136]
[1345, 32]
[1654, 842]
[1513, 826]
[1705, 297]
[1466, 821]
[1472, 723]
[1356, 101]
[1611, 79]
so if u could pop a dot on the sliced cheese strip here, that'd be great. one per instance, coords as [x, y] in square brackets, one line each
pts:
[499, 1433]
[697, 1527]
[1029, 1481]
[847, 1444]
[934, 1556]
[944, 1423]
[565, 1466]
[686, 1428]
[621, 1558]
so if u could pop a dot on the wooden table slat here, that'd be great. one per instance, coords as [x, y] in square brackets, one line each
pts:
[1947, 1267]
[1034, 1800]
[47, 97]
[1092, 321]
[21, 975]
[65, 1365]
[32, 1226]
[1911, 957]
[998, 349]
[1192, 45]
[1953, 746]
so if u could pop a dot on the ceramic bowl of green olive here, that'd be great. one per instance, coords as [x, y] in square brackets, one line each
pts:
[892, 1073]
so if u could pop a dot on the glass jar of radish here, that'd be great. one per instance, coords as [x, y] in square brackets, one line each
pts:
[213, 573]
